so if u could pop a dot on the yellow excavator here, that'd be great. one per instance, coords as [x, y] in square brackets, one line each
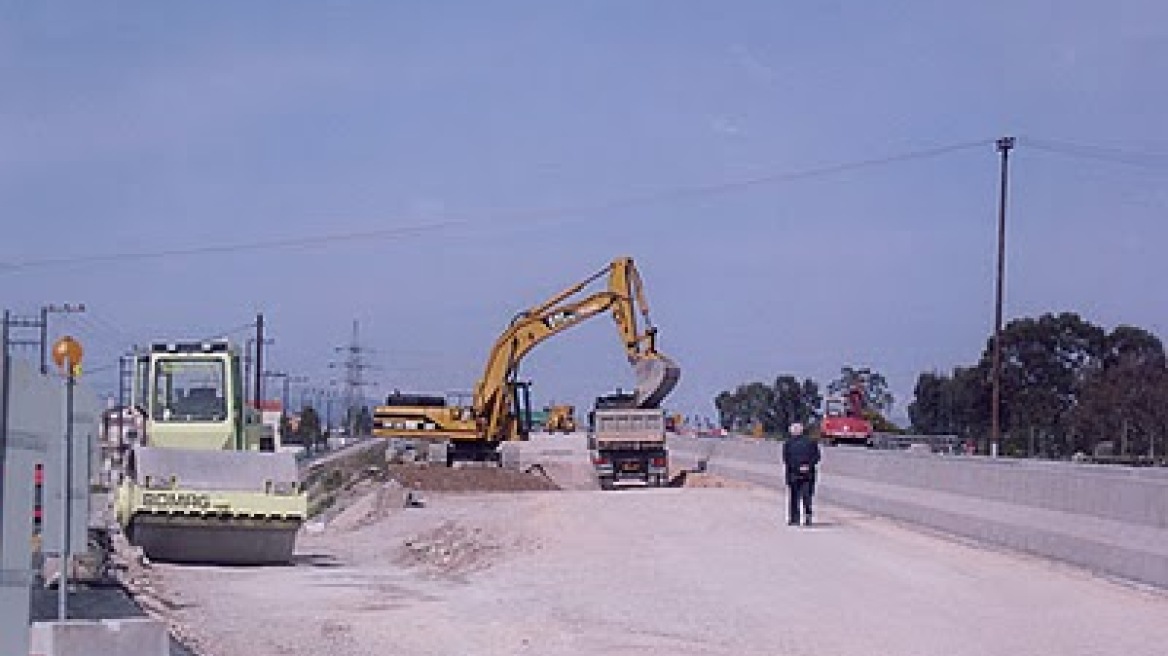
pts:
[500, 409]
[560, 419]
[202, 482]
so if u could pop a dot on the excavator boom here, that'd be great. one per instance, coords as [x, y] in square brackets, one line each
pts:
[624, 297]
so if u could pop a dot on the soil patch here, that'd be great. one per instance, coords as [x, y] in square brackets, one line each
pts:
[702, 479]
[428, 478]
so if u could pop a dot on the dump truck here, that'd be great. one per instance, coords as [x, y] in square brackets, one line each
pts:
[627, 443]
[500, 410]
[201, 481]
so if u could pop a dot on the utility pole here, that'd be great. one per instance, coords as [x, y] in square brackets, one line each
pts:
[44, 349]
[248, 360]
[125, 389]
[288, 380]
[329, 395]
[1004, 145]
[259, 360]
[4, 382]
[27, 323]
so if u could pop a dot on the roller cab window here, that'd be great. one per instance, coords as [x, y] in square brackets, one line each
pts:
[189, 390]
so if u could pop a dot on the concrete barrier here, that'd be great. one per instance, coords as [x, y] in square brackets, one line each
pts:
[1129, 494]
[1109, 519]
[121, 637]
[564, 459]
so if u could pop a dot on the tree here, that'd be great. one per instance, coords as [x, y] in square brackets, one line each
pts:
[951, 404]
[748, 404]
[970, 395]
[872, 383]
[364, 421]
[795, 402]
[931, 411]
[1125, 404]
[1045, 362]
[1067, 385]
[287, 435]
[774, 407]
[309, 428]
[1128, 346]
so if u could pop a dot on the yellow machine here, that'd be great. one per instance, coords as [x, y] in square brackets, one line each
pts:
[201, 482]
[500, 409]
[560, 419]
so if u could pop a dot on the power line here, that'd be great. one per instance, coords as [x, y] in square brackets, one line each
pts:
[531, 214]
[95, 331]
[292, 242]
[224, 334]
[1141, 159]
[112, 327]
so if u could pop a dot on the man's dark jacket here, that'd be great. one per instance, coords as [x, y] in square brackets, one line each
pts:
[797, 452]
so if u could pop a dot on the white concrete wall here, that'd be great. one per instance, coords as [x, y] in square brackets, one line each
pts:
[122, 637]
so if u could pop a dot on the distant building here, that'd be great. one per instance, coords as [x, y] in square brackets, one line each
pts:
[271, 413]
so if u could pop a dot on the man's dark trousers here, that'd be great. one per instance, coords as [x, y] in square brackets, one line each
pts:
[799, 492]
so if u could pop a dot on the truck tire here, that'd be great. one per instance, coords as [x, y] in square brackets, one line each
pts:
[605, 483]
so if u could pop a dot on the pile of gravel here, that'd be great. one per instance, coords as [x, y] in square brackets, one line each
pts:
[451, 550]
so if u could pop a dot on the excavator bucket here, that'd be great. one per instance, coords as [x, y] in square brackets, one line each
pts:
[656, 378]
[226, 507]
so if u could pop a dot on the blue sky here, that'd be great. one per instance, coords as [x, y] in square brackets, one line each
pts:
[137, 127]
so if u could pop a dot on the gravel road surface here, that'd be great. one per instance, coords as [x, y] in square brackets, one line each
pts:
[702, 570]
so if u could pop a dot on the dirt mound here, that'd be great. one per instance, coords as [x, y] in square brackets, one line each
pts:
[428, 478]
[451, 550]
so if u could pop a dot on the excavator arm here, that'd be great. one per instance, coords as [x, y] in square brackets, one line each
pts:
[624, 297]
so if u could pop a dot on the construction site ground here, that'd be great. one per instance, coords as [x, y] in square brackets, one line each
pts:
[429, 561]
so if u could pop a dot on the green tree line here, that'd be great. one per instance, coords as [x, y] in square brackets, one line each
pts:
[772, 406]
[1067, 386]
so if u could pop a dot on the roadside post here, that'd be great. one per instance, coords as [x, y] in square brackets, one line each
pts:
[67, 354]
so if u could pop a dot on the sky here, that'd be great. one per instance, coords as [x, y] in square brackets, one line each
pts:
[432, 168]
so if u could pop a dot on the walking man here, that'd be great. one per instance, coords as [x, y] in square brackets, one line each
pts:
[800, 456]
